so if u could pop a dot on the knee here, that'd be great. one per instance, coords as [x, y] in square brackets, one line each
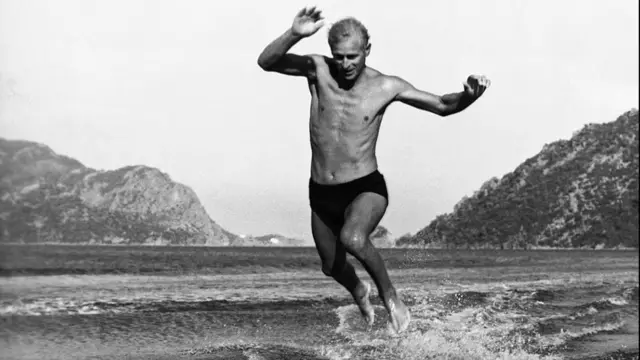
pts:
[353, 240]
[333, 269]
[327, 270]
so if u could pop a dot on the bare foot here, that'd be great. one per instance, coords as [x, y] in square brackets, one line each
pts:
[399, 315]
[361, 296]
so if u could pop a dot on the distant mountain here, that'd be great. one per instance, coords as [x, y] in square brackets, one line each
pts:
[381, 237]
[268, 240]
[581, 192]
[50, 198]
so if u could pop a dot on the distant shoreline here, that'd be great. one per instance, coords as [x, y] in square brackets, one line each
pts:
[439, 248]
[54, 259]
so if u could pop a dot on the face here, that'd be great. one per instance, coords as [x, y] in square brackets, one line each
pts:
[350, 55]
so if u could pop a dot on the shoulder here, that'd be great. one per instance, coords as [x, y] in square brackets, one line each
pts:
[321, 64]
[390, 83]
[319, 60]
[396, 83]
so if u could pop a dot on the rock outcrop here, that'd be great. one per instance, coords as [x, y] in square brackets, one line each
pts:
[50, 198]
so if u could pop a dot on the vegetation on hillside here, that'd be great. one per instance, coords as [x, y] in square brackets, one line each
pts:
[581, 192]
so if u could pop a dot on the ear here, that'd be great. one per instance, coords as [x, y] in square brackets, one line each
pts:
[367, 49]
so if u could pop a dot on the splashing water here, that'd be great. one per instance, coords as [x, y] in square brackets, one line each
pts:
[491, 313]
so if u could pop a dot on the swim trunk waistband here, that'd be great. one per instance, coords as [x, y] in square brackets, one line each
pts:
[373, 176]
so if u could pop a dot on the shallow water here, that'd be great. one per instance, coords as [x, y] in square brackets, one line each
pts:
[505, 305]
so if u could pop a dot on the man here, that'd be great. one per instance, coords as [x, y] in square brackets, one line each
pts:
[347, 194]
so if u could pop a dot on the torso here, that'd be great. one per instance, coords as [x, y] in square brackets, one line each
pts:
[344, 124]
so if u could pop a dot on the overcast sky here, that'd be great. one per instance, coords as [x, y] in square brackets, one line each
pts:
[175, 85]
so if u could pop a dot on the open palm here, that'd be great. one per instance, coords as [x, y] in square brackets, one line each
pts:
[307, 21]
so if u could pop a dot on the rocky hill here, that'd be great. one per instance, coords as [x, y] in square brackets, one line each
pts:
[50, 198]
[576, 193]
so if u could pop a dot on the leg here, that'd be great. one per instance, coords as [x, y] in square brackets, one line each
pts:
[362, 216]
[334, 263]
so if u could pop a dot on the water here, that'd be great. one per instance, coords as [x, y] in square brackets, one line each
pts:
[259, 303]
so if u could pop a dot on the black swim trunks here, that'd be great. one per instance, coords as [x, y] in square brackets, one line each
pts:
[330, 202]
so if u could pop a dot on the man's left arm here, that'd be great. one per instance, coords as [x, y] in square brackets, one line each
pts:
[443, 105]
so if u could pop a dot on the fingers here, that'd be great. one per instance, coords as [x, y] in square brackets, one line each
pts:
[467, 88]
[311, 12]
[308, 21]
[316, 15]
[485, 84]
[483, 81]
[481, 89]
[472, 82]
[303, 12]
[478, 84]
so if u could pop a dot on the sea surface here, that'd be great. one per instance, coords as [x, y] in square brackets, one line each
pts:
[109, 302]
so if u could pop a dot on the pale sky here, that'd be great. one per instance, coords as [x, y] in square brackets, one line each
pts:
[175, 85]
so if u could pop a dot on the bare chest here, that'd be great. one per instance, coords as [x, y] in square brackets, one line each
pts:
[349, 110]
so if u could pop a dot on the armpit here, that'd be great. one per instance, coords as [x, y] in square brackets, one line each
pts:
[322, 64]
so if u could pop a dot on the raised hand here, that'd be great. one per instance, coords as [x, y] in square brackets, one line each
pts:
[307, 22]
[476, 85]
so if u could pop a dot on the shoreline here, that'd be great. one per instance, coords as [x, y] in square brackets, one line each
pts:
[479, 248]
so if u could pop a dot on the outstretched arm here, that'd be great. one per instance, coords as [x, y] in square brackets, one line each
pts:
[441, 105]
[275, 57]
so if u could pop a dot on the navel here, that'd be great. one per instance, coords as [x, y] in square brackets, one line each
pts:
[366, 118]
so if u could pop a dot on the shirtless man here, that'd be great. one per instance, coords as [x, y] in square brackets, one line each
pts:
[347, 194]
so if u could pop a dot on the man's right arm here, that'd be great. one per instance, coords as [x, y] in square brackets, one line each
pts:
[275, 57]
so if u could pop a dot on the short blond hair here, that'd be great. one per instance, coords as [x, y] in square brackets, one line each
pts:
[346, 28]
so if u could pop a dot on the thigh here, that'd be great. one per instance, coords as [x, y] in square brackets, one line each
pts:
[365, 212]
[326, 241]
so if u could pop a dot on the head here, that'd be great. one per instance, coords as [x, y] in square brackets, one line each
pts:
[349, 43]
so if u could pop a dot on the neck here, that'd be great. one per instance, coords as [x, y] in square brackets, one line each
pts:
[347, 84]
